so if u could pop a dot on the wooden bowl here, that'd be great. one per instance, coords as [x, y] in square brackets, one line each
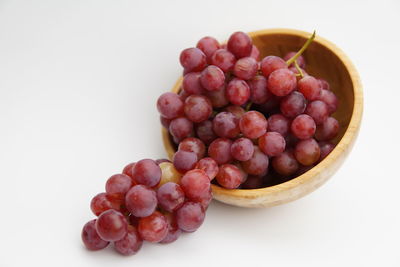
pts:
[324, 60]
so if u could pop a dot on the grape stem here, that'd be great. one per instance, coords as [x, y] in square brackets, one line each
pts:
[299, 69]
[248, 106]
[305, 46]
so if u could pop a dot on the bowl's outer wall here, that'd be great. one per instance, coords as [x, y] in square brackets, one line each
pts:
[324, 60]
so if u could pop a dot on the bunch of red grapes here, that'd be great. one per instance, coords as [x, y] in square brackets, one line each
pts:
[235, 115]
[232, 117]
[149, 201]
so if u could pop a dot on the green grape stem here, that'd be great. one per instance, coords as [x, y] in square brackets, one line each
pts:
[305, 46]
[299, 69]
[248, 106]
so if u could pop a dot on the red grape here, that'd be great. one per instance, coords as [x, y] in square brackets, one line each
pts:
[197, 108]
[253, 124]
[330, 99]
[101, 202]
[282, 82]
[153, 228]
[255, 53]
[257, 164]
[225, 124]
[223, 59]
[307, 152]
[238, 92]
[170, 196]
[195, 184]
[130, 244]
[271, 63]
[318, 110]
[180, 128]
[147, 172]
[173, 230]
[300, 60]
[303, 126]
[117, 186]
[111, 225]
[91, 238]
[184, 160]
[293, 104]
[238, 111]
[170, 105]
[259, 91]
[190, 216]
[128, 170]
[253, 182]
[240, 44]
[242, 171]
[285, 163]
[245, 68]
[191, 84]
[229, 176]
[205, 132]
[206, 200]
[195, 145]
[327, 130]
[209, 166]
[324, 84]
[212, 78]
[272, 144]
[325, 148]
[220, 150]
[208, 45]
[193, 59]
[218, 98]
[242, 149]
[141, 201]
[165, 122]
[309, 87]
[278, 123]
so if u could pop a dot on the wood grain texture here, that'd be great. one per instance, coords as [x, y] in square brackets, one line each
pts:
[324, 60]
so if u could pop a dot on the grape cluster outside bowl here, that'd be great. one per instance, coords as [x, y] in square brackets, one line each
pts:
[324, 60]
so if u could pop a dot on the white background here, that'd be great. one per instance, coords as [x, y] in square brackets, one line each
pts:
[78, 86]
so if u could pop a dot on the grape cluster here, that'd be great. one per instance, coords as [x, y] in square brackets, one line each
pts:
[149, 201]
[248, 123]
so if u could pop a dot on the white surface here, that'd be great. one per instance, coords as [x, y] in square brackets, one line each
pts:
[78, 85]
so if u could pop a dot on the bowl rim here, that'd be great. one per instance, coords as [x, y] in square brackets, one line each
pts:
[344, 144]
